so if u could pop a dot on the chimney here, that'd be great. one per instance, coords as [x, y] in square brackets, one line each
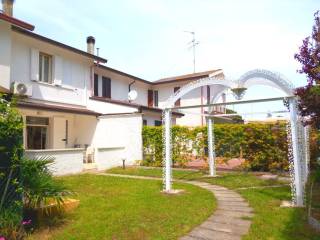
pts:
[90, 44]
[7, 7]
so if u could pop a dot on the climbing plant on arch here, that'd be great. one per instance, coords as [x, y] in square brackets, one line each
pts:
[297, 133]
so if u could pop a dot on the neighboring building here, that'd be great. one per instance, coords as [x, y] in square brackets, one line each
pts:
[75, 108]
[167, 86]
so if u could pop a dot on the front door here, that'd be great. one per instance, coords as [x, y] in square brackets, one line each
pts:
[60, 134]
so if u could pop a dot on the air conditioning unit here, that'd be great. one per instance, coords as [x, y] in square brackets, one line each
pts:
[22, 89]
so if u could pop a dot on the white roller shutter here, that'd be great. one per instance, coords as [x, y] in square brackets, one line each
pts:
[34, 64]
[58, 70]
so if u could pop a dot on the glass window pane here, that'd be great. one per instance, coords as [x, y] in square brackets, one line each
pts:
[40, 67]
[46, 69]
[36, 137]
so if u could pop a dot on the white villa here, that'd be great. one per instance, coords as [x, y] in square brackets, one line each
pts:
[75, 107]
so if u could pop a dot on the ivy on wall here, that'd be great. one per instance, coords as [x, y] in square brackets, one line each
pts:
[263, 146]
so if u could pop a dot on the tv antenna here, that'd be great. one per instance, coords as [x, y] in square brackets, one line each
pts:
[193, 44]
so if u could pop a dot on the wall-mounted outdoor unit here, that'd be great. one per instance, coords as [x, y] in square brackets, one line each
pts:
[22, 89]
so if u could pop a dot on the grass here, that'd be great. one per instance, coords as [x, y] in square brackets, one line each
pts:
[273, 222]
[231, 180]
[156, 172]
[270, 221]
[120, 208]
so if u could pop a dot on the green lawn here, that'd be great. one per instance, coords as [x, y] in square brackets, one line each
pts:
[156, 172]
[273, 222]
[270, 221]
[120, 208]
[230, 180]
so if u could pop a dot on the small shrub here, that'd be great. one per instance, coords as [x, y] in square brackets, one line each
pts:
[11, 226]
[39, 186]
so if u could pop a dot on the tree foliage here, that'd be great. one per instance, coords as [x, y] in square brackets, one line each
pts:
[309, 57]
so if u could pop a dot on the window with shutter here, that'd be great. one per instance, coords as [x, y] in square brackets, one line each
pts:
[177, 103]
[96, 85]
[156, 98]
[150, 98]
[106, 87]
[45, 68]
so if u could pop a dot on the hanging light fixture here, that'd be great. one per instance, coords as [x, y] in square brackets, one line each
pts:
[238, 92]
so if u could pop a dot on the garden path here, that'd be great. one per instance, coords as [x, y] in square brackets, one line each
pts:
[230, 221]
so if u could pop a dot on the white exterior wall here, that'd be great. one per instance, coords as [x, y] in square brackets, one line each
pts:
[66, 161]
[150, 119]
[120, 86]
[117, 137]
[5, 55]
[72, 73]
[109, 108]
[191, 98]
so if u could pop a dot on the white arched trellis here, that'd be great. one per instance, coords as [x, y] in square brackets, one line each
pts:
[297, 134]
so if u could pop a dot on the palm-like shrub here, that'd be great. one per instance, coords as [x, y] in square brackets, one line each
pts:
[39, 186]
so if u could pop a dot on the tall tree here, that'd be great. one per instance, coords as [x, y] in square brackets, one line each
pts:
[309, 57]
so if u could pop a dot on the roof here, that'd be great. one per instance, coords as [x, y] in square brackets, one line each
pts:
[188, 77]
[58, 44]
[56, 108]
[124, 74]
[16, 22]
[129, 104]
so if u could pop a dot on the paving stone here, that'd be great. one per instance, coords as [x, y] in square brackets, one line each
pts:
[217, 188]
[230, 203]
[230, 199]
[233, 213]
[205, 234]
[236, 208]
[229, 220]
[227, 193]
[224, 227]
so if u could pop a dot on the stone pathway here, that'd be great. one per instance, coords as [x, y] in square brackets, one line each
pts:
[262, 187]
[230, 221]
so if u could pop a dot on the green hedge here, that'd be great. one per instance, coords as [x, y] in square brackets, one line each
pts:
[264, 146]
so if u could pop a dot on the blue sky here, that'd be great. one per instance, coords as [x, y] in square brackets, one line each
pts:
[146, 38]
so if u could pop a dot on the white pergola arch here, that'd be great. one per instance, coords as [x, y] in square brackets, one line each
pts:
[297, 134]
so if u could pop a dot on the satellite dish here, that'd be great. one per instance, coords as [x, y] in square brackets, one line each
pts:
[132, 95]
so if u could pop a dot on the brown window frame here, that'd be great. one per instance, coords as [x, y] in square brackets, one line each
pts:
[178, 102]
[150, 98]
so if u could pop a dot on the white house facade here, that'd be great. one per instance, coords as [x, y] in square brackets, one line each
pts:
[75, 108]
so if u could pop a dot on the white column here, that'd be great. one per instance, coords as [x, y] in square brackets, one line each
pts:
[295, 151]
[306, 130]
[211, 150]
[167, 150]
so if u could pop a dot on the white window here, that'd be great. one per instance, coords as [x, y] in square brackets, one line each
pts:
[37, 132]
[45, 68]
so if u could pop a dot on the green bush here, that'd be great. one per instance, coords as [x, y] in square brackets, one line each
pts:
[10, 224]
[264, 146]
[11, 152]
